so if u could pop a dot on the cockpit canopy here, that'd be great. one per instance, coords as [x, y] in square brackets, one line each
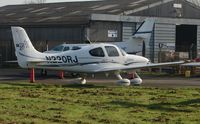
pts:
[111, 51]
[58, 48]
[98, 50]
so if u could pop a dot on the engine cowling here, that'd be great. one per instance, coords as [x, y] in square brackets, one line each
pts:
[124, 82]
[136, 81]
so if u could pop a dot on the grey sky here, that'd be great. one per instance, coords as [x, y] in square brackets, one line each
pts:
[13, 2]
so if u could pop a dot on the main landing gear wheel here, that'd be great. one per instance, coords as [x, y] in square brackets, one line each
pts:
[135, 79]
[124, 82]
[121, 81]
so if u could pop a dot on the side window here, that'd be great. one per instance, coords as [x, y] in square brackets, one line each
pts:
[76, 48]
[58, 48]
[112, 51]
[66, 48]
[97, 52]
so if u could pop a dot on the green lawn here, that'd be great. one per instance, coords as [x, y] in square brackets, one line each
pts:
[93, 104]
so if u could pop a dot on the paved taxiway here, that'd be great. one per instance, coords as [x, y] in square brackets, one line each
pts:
[16, 75]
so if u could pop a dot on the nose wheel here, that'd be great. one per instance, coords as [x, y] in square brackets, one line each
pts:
[80, 80]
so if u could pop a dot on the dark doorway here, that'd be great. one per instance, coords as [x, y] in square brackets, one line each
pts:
[144, 49]
[186, 39]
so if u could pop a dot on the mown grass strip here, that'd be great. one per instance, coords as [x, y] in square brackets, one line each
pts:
[95, 104]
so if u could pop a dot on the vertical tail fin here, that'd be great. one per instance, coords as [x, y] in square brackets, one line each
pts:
[24, 49]
[145, 29]
[21, 41]
[136, 44]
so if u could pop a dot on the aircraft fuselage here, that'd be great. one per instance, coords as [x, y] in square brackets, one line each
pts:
[85, 59]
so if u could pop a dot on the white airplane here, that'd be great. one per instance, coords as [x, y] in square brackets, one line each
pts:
[140, 38]
[82, 59]
[132, 46]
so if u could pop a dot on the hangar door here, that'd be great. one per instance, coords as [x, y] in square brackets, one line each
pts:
[186, 39]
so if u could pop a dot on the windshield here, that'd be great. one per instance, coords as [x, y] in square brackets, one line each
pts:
[123, 52]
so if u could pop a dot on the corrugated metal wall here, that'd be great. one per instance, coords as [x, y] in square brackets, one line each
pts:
[55, 36]
[198, 41]
[65, 34]
[150, 48]
[6, 46]
[165, 34]
[71, 34]
[127, 30]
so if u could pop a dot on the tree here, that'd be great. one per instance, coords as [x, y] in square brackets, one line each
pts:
[34, 1]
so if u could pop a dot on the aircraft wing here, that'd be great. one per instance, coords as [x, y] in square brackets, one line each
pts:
[192, 64]
[138, 66]
[14, 61]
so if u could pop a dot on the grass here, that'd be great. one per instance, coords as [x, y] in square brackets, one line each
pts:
[96, 104]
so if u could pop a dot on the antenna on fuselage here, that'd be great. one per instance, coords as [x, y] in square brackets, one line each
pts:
[88, 39]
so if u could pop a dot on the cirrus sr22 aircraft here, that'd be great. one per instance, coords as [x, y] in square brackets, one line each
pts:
[83, 59]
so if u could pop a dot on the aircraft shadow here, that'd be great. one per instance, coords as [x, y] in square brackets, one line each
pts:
[82, 86]
[19, 84]
[159, 106]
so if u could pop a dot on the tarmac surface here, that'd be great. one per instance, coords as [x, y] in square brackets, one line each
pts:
[166, 81]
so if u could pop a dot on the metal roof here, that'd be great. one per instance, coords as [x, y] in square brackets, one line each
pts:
[67, 12]
[71, 12]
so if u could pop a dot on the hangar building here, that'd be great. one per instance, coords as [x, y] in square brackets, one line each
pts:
[177, 24]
